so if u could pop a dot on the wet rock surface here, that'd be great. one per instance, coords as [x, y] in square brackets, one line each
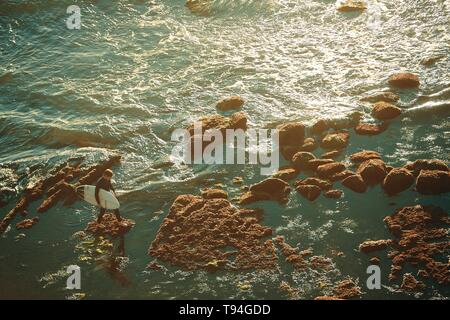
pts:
[355, 183]
[433, 182]
[404, 80]
[338, 140]
[268, 189]
[373, 171]
[110, 226]
[397, 180]
[420, 240]
[230, 103]
[385, 111]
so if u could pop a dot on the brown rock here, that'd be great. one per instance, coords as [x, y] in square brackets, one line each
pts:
[310, 192]
[410, 283]
[404, 80]
[288, 151]
[341, 175]
[370, 246]
[364, 155]
[315, 163]
[385, 111]
[373, 171]
[352, 6]
[432, 60]
[322, 184]
[319, 127]
[355, 183]
[309, 145]
[110, 226]
[337, 140]
[375, 260]
[331, 154]
[334, 194]
[300, 160]
[426, 164]
[291, 134]
[433, 182]
[268, 189]
[230, 103]
[286, 174]
[389, 97]
[327, 170]
[397, 180]
[27, 223]
[367, 129]
[210, 234]
[214, 194]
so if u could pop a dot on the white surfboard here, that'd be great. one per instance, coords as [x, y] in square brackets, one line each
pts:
[107, 199]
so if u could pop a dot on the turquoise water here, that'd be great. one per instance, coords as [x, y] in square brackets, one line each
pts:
[136, 70]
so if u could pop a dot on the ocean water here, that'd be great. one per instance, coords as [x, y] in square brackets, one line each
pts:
[137, 70]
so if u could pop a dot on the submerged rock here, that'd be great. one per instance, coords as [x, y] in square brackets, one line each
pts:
[355, 183]
[27, 223]
[268, 189]
[385, 111]
[432, 60]
[389, 97]
[433, 182]
[368, 129]
[230, 103]
[404, 80]
[397, 180]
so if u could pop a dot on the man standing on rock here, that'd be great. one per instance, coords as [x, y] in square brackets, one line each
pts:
[105, 183]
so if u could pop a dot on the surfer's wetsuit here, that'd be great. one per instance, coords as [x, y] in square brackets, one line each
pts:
[105, 185]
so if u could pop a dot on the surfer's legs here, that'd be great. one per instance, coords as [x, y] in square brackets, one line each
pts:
[100, 216]
[117, 214]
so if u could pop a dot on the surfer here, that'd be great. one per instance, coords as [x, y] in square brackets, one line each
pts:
[105, 183]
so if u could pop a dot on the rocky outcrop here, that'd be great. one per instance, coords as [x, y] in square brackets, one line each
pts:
[355, 183]
[373, 171]
[27, 223]
[371, 246]
[388, 97]
[110, 226]
[286, 174]
[410, 283]
[404, 80]
[368, 129]
[433, 182]
[385, 111]
[322, 184]
[351, 5]
[268, 189]
[300, 160]
[230, 103]
[196, 231]
[397, 180]
[214, 194]
[310, 192]
[364, 155]
[333, 194]
[291, 134]
[327, 170]
[426, 164]
[338, 140]
[420, 239]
